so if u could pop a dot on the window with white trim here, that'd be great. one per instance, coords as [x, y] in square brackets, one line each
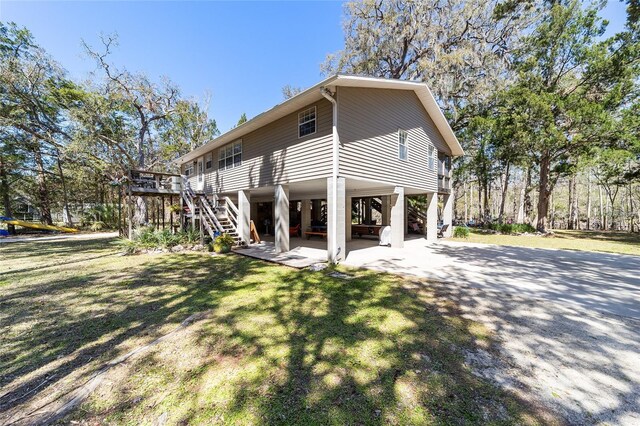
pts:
[230, 156]
[188, 169]
[432, 158]
[307, 122]
[403, 144]
[208, 161]
[200, 170]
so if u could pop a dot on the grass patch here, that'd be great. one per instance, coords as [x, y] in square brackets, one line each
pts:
[609, 242]
[280, 346]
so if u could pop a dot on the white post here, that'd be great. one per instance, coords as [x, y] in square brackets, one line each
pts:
[244, 217]
[432, 216]
[386, 209]
[281, 229]
[397, 217]
[336, 227]
[347, 218]
[447, 213]
[305, 221]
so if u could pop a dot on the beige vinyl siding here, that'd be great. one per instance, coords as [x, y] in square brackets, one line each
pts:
[368, 123]
[193, 179]
[274, 154]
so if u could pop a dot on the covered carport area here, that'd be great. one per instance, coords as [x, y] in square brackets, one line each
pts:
[307, 214]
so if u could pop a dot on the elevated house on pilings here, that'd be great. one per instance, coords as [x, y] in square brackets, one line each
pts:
[336, 162]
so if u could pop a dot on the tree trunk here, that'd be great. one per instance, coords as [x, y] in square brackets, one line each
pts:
[43, 190]
[602, 216]
[142, 212]
[66, 214]
[471, 200]
[632, 226]
[543, 192]
[612, 195]
[573, 203]
[588, 200]
[466, 205]
[485, 206]
[523, 190]
[552, 212]
[527, 203]
[503, 200]
[480, 216]
[6, 198]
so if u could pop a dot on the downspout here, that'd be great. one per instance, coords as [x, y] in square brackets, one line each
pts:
[335, 250]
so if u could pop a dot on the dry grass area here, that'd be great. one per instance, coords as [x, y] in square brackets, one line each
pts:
[279, 346]
[609, 242]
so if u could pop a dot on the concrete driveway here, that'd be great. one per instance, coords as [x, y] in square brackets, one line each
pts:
[600, 282]
[566, 324]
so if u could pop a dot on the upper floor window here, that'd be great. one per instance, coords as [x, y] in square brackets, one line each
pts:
[230, 156]
[403, 144]
[188, 169]
[307, 122]
[208, 161]
[432, 158]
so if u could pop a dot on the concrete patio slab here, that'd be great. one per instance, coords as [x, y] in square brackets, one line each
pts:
[299, 257]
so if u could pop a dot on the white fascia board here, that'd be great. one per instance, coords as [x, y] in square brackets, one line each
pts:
[424, 94]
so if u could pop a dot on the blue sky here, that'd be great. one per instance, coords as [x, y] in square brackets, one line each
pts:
[241, 53]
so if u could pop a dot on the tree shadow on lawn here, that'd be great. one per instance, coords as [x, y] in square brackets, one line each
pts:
[36, 255]
[63, 325]
[304, 348]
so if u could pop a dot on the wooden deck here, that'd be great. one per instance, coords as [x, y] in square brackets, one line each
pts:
[149, 183]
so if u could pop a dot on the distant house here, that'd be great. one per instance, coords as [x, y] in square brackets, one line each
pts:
[338, 159]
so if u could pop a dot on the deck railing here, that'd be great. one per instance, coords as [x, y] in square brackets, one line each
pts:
[149, 181]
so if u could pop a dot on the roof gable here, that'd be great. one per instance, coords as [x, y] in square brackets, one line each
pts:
[313, 94]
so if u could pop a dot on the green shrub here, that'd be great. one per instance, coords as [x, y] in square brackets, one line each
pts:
[191, 235]
[223, 243]
[461, 232]
[520, 228]
[128, 246]
[166, 239]
[97, 225]
[105, 213]
[149, 238]
[146, 237]
[505, 228]
[512, 228]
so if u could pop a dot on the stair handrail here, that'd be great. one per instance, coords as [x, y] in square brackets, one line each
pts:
[211, 215]
[205, 222]
[187, 194]
[231, 208]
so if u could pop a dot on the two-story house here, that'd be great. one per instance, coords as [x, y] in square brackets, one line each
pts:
[307, 159]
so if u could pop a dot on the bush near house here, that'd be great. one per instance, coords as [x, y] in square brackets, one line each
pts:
[461, 232]
[223, 243]
[150, 238]
[512, 228]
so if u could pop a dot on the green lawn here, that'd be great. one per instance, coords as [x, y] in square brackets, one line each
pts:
[610, 242]
[280, 346]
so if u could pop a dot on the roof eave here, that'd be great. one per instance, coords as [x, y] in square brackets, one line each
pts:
[280, 110]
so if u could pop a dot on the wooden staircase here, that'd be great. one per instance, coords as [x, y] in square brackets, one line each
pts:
[217, 217]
